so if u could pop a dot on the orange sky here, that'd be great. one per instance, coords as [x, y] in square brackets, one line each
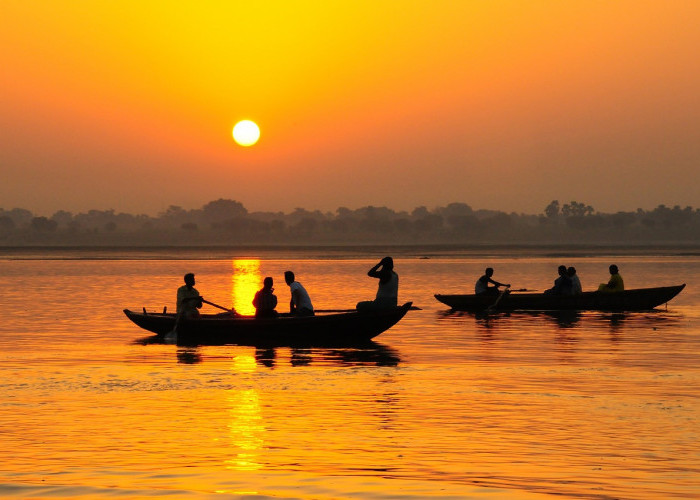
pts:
[499, 104]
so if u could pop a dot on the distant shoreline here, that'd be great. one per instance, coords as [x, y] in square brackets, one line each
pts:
[360, 251]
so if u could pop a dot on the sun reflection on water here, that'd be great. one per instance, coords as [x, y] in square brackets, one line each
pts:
[246, 427]
[245, 280]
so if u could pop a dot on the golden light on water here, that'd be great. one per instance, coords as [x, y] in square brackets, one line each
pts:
[246, 280]
[245, 430]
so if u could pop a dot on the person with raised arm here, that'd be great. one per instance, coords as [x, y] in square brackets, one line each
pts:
[388, 289]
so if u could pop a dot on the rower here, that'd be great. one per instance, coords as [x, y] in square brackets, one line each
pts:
[482, 284]
[188, 299]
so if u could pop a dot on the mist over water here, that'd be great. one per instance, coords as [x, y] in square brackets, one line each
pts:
[443, 405]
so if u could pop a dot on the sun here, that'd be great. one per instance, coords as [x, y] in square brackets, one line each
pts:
[246, 133]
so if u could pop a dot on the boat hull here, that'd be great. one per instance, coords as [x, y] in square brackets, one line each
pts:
[329, 329]
[629, 300]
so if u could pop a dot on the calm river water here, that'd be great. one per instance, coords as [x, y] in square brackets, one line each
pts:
[443, 405]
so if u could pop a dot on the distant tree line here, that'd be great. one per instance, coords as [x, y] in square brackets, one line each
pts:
[228, 222]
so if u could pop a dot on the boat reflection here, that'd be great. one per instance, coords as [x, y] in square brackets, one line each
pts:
[616, 322]
[367, 354]
[370, 354]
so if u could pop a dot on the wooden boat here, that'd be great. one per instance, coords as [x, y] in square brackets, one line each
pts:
[629, 300]
[345, 328]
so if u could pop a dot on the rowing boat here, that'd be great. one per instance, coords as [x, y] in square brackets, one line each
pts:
[345, 328]
[638, 299]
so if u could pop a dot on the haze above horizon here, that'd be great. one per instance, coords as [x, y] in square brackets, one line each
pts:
[502, 105]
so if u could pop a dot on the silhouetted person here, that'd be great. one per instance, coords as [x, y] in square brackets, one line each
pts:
[562, 285]
[388, 291]
[265, 301]
[188, 299]
[482, 284]
[615, 284]
[300, 303]
[575, 282]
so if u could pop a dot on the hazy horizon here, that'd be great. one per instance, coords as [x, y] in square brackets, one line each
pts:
[503, 105]
[334, 210]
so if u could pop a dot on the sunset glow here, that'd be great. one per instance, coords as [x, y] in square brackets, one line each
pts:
[552, 99]
[246, 133]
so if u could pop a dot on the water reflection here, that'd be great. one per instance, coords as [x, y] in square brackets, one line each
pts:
[246, 429]
[616, 322]
[245, 281]
[370, 354]
[188, 355]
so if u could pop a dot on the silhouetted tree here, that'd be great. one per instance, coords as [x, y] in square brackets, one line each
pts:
[221, 209]
[552, 210]
[43, 225]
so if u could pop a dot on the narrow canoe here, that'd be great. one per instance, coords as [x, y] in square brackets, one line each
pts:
[344, 328]
[629, 300]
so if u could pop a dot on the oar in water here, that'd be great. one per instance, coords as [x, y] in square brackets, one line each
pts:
[172, 335]
[498, 299]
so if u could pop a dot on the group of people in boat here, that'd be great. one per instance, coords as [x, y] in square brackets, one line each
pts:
[566, 283]
[189, 301]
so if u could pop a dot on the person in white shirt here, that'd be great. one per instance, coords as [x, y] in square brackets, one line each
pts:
[575, 282]
[300, 303]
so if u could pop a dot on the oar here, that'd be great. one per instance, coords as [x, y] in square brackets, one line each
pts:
[412, 308]
[500, 296]
[232, 311]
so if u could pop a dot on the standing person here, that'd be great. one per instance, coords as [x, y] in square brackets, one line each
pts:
[575, 282]
[188, 299]
[388, 291]
[482, 284]
[265, 301]
[615, 284]
[300, 303]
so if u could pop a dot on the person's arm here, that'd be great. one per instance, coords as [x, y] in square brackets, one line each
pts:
[374, 273]
[491, 280]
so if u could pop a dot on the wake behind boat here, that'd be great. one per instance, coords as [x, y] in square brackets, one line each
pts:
[344, 328]
[628, 300]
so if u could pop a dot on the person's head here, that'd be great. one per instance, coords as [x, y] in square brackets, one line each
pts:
[189, 279]
[571, 271]
[267, 283]
[562, 270]
[613, 269]
[489, 271]
[388, 263]
[289, 277]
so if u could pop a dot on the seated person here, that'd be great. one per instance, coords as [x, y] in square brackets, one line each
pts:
[562, 285]
[482, 284]
[388, 291]
[300, 303]
[575, 282]
[188, 299]
[265, 301]
[615, 284]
